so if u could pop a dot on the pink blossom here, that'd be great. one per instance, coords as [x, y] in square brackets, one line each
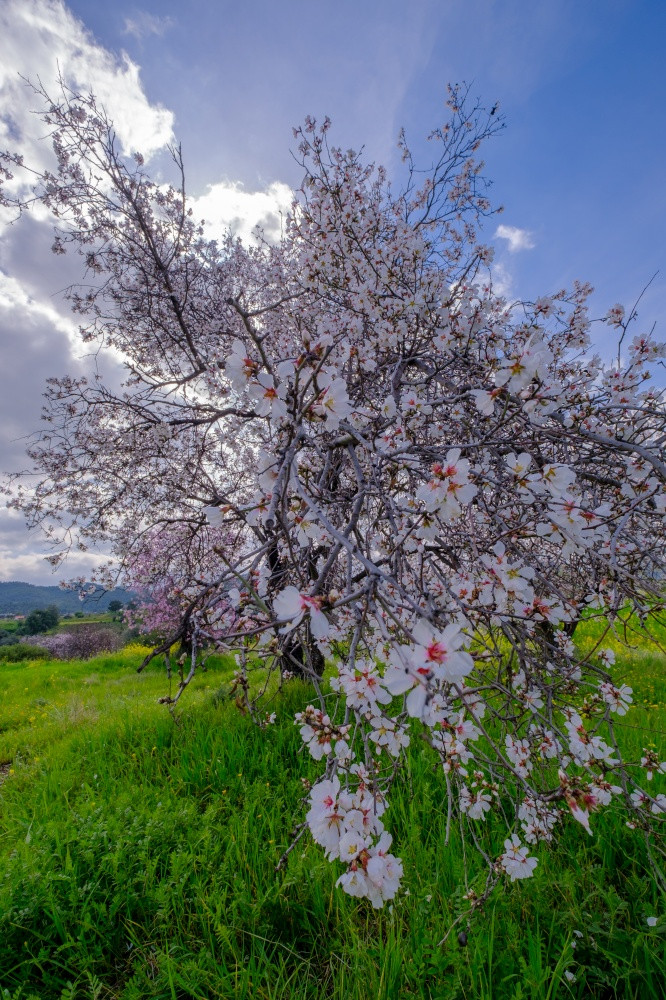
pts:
[291, 605]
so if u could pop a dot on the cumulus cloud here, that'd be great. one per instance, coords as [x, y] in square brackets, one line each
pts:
[38, 341]
[502, 280]
[517, 239]
[227, 205]
[36, 344]
[39, 337]
[37, 332]
[16, 299]
[141, 24]
[42, 39]
[23, 556]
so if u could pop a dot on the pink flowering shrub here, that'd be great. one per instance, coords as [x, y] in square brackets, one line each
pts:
[80, 643]
[348, 445]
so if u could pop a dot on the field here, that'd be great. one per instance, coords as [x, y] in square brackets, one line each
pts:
[137, 858]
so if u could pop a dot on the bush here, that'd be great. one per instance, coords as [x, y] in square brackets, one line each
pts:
[82, 642]
[23, 651]
[40, 620]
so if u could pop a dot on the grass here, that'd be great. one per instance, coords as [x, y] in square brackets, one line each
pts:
[137, 860]
[102, 618]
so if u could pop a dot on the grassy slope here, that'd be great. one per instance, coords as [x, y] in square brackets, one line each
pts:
[137, 860]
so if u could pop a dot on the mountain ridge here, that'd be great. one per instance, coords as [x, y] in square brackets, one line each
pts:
[19, 598]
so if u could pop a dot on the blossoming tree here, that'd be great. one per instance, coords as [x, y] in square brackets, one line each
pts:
[409, 476]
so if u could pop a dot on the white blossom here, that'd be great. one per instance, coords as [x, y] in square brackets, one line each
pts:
[516, 861]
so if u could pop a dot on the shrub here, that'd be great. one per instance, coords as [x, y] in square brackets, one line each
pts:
[82, 643]
[40, 620]
[23, 651]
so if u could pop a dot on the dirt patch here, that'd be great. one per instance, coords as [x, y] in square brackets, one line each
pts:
[4, 771]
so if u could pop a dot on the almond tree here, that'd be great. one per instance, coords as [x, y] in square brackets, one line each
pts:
[418, 480]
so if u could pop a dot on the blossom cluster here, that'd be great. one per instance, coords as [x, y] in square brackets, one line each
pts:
[349, 828]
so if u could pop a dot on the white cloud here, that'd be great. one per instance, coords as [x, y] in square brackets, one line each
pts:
[15, 298]
[40, 39]
[518, 239]
[32, 567]
[141, 24]
[227, 205]
[502, 280]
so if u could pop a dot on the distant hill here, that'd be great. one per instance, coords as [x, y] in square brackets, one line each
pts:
[20, 598]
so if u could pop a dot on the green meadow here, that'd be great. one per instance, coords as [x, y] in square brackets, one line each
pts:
[138, 854]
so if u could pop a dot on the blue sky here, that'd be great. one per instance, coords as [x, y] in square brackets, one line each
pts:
[582, 85]
[579, 168]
